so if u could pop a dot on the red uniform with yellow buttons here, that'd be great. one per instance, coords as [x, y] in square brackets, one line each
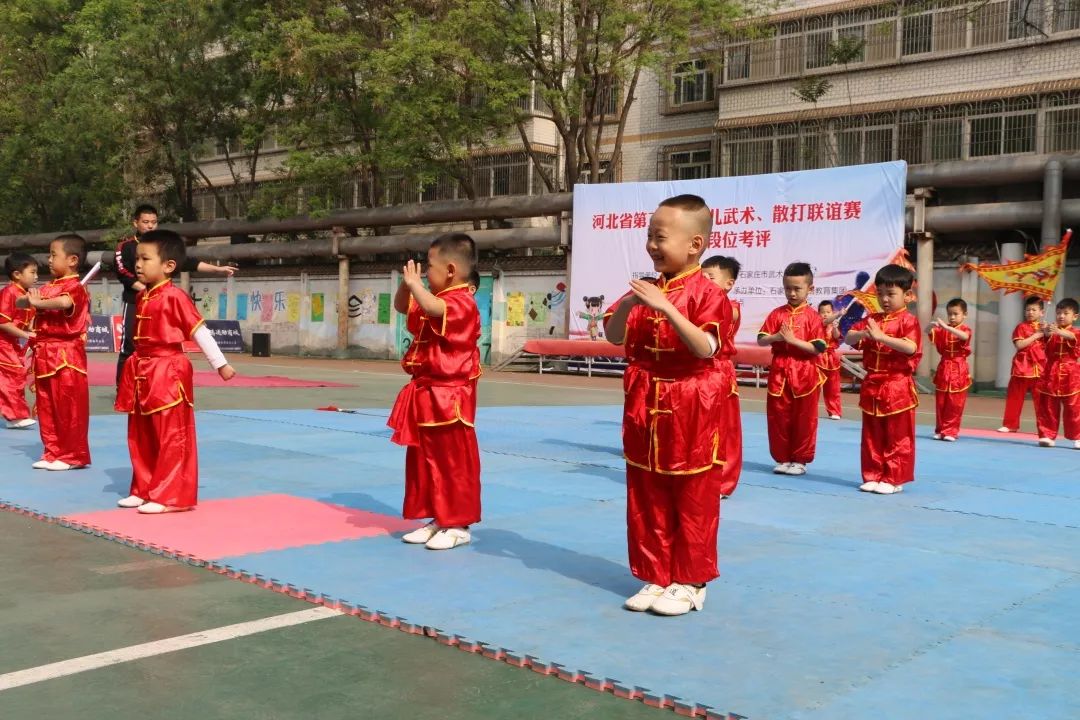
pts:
[1027, 368]
[829, 364]
[794, 383]
[732, 417]
[672, 435]
[1057, 396]
[888, 400]
[157, 391]
[13, 375]
[63, 389]
[434, 415]
[952, 379]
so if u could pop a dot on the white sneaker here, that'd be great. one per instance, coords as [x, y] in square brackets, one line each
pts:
[419, 536]
[1046, 442]
[153, 508]
[937, 436]
[870, 486]
[131, 501]
[679, 599]
[644, 598]
[835, 417]
[1076, 444]
[60, 466]
[21, 424]
[884, 488]
[42, 464]
[796, 469]
[1004, 429]
[448, 539]
[948, 438]
[782, 468]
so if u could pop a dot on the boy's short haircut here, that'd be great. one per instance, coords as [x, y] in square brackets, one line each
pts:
[17, 262]
[823, 303]
[458, 247]
[957, 302]
[1068, 304]
[144, 209]
[170, 246]
[722, 262]
[893, 275]
[1033, 300]
[74, 244]
[695, 206]
[474, 278]
[799, 269]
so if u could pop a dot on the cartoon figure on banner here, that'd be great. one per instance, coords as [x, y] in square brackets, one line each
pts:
[364, 306]
[594, 312]
[552, 301]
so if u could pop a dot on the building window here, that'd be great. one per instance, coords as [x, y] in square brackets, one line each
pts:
[737, 64]
[607, 96]
[1062, 119]
[1066, 15]
[692, 83]
[688, 162]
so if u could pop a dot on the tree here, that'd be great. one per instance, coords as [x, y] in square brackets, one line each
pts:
[588, 56]
[60, 161]
[178, 77]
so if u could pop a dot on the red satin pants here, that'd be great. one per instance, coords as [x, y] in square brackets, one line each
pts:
[63, 410]
[164, 456]
[442, 476]
[888, 447]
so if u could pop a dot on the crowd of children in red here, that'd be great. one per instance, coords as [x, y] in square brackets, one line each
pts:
[682, 438]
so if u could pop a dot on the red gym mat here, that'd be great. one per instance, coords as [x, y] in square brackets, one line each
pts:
[238, 526]
[104, 375]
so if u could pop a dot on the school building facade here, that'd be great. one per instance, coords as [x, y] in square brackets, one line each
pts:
[819, 84]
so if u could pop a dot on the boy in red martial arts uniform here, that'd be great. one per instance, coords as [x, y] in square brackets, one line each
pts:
[22, 270]
[953, 377]
[434, 415]
[1027, 364]
[891, 344]
[797, 338]
[1057, 396]
[62, 313]
[724, 271]
[829, 361]
[673, 430]
[157, 385]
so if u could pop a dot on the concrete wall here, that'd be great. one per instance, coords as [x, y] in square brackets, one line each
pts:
[300, 310]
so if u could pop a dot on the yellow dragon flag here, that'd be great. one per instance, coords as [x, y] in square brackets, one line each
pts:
[867, 297]
[1034, 275]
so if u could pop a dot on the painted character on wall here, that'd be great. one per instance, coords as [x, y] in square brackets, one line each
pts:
[364, 307]
[594, 312]
[552, 301]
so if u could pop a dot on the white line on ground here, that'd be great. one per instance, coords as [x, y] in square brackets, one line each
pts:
[160, 647]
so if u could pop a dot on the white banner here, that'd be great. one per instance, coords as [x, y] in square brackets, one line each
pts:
[846, 222]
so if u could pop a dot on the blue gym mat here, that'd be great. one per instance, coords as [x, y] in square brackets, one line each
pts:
[955, 599]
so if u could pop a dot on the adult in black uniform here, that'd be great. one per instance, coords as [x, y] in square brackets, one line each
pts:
[145, 219]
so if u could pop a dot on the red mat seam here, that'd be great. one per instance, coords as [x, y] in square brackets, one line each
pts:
[514, 659]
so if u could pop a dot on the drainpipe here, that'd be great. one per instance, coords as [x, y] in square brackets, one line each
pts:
[924, 269]
[1051, 215]
[1010, 312]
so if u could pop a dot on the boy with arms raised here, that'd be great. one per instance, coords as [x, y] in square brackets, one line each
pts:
[671, 328]
[434, 415]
